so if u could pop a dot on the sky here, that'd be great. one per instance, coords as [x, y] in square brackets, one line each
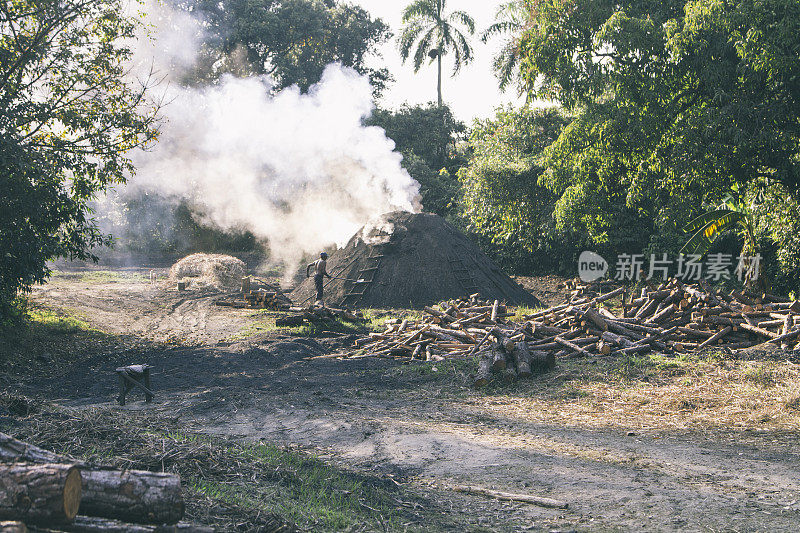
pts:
[473, 93]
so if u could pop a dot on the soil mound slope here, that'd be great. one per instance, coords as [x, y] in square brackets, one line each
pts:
[407, 260]
[209, 270]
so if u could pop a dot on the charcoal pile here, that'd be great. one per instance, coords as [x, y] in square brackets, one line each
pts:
[669, 318]
[407, 261]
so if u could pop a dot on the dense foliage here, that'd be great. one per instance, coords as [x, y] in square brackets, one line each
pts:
[674, 102]
[501, 199]
[68, 115]
[427, 136]
[291, 40]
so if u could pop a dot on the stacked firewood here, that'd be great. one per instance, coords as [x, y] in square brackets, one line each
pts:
[45, 491]
[257, 294]
[461, 328]
[671, 317]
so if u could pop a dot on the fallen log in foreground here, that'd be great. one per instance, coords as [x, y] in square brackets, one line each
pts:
[90, 524]
[129, 495]
[13, 527]
[39, 494]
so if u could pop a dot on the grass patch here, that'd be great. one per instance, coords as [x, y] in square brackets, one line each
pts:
[233, 485]
[57, 323]
[99, 276]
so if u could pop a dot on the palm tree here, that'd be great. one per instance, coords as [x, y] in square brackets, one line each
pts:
[511, 18]
[434, 34]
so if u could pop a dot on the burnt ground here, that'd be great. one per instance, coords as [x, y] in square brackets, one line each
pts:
[229, 372]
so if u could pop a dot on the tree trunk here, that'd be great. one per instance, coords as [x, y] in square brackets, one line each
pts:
[484, 370]
[13, 527]
[39, 494]
[133, 495]
[523, 358]
[90, 524]
[439, 85]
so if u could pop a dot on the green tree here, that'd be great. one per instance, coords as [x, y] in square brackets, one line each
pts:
[434, 34]
[675, 102]
[291, 40]
[501, 199]
[427, 136]
[68, 116]
[510, 20]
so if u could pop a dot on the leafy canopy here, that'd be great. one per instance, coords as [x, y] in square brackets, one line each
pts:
[501, 199]
[69, 113]
[675, 101]
[292, 40]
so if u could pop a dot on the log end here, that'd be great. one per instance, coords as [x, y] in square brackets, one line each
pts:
[72, 493]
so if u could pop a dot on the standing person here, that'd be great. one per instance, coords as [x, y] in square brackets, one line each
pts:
[320, 271]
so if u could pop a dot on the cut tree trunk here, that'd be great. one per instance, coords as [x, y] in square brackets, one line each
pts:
[133, 495]
[13, 527]
[522, 356]
[39, 494]
[498, 359]
[92, 524]
[484, 371]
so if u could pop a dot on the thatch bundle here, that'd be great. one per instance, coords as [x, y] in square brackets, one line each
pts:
[209, 270]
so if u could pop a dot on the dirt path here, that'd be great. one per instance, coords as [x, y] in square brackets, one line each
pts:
[425, 427]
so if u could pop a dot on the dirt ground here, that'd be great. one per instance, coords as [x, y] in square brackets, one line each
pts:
[225, 371]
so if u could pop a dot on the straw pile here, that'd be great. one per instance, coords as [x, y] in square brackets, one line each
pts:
[209, 270]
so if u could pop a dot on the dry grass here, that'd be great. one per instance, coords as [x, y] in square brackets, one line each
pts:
[655, 392]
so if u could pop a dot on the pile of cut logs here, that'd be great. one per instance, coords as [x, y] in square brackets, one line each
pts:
[461, 328]
[672, 317]
[45, 491]
[257, 294]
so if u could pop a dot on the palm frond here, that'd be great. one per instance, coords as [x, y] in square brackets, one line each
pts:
[463, 51]
[423, 47]
[420, 9]
[408, 37]
[506, 64]
[499, 28]
[463, 18]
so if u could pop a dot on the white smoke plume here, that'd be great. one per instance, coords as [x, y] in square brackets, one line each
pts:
[299, 171]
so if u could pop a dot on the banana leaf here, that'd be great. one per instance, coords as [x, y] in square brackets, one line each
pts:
[704, 237]
[704, 219]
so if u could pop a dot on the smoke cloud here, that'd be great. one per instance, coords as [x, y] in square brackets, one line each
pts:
[299, 171]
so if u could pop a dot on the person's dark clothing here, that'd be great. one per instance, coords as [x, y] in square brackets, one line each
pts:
[318, 279]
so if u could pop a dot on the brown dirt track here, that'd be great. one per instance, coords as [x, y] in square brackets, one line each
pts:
[422, 425]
